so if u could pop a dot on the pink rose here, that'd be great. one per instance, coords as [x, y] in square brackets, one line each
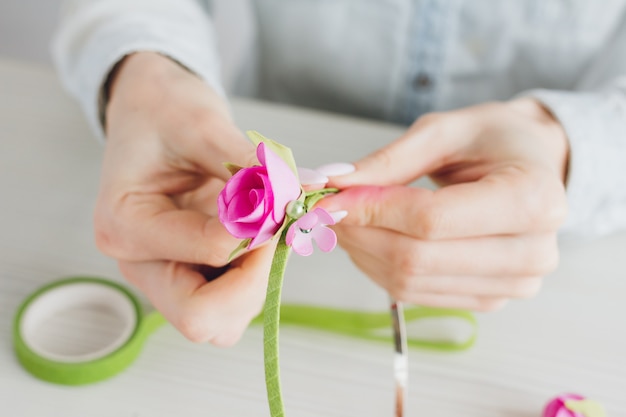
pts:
[573, 405]
[252, 203]
[556, 407]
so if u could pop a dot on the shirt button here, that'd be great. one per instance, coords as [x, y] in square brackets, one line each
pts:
[422, 81]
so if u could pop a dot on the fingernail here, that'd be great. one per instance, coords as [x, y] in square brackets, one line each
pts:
[338, 215]
[339, 168]
[311, 176]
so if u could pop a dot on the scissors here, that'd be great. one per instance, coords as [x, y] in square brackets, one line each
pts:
[401, 358]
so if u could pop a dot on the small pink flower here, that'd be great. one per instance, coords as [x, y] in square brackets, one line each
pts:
[310, 227]
[252, 203]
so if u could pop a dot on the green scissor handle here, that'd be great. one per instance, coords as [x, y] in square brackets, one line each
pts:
[359, 324]
[367, 325]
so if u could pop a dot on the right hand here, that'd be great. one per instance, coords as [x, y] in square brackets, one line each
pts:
[168, 134]
[488, 234]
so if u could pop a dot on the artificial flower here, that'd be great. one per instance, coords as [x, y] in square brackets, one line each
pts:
[252, 203]
[312, 227]
[573, 405]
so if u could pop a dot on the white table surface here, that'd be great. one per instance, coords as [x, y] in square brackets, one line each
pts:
[571, 337]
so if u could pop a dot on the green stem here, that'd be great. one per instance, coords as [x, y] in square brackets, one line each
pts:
[271, 320]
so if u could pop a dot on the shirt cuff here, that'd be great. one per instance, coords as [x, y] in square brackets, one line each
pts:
[595, 124]
[85, 67]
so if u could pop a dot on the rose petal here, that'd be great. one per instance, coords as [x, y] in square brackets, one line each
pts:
[222, 208]
[265, 232]
[241, 209]
[285, 185]
[245, 179]
[268, 196]
[241, 230]
[556, 407]
[255, 196]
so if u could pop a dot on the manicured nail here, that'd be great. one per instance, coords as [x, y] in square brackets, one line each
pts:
[339, 168]
[338, 215]
[311, 176]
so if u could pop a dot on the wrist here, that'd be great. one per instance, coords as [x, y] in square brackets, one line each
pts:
[136, 76]
[556, 142]
[149, 80]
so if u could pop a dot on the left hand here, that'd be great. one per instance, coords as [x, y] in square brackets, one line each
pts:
[168, 134]
[488, 235]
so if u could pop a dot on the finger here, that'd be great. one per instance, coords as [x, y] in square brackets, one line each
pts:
[407, 286]
[217, 311]
[462, 302]
[210, 144]
[507, 201]
[380, 274]
[483, 287]
[434, 140]
[152, 227]
[203, 198]
[497, 256]
[311, 177]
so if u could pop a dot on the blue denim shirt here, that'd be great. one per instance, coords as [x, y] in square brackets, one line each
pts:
[393, 60]
[397, 59]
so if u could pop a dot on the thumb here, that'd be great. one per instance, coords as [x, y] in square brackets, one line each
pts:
[220, 143]
[431, 143]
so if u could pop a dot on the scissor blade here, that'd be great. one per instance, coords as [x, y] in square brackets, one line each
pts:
[401, 362]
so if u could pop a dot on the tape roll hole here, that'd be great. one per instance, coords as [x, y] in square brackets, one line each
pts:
[78, 322]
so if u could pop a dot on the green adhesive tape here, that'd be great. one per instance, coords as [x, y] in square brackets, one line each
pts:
[119, 353]
[81, 368]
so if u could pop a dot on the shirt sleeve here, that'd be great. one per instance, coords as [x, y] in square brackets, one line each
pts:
[594, 119]
[93, 35]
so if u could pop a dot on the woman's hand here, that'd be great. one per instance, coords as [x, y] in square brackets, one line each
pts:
[168, 134]
[488, 234]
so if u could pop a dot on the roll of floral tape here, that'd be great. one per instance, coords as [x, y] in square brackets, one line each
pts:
[93, 294]
[83, 367]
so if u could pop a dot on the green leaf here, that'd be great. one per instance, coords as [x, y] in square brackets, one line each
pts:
[588, 408]
[232, 168]
[312, 197]
[243, 245]
[279, 149]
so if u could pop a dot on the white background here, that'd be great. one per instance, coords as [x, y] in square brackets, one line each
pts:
[26, 27]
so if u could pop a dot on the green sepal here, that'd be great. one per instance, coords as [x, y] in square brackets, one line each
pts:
[232, 168]
[281, 150]
[243, 245]
[312, 197]
[588, 408]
